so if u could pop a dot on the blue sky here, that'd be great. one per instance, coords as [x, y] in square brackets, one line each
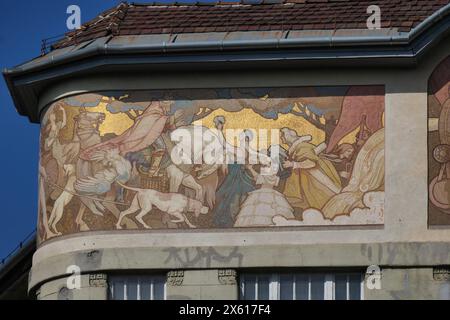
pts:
[23, 25]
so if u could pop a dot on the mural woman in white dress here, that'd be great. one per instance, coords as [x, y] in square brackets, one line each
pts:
[263, 204]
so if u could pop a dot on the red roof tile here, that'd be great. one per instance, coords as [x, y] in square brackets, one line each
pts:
[138, 19]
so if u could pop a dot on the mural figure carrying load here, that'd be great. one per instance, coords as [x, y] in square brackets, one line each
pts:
[123, 169]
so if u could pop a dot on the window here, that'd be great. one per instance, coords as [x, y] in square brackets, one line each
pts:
[301, 286]
[137, 287]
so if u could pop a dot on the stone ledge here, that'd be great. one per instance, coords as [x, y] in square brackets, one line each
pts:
[415, 254]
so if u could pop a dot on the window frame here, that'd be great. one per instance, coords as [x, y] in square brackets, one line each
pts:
[126, 279]
[275, 283]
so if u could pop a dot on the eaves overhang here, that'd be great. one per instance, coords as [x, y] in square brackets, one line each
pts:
[203, 51]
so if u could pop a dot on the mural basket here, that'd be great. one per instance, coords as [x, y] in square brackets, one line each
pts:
[158, 181]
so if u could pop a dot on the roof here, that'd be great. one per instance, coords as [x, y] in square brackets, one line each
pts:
[249, 34]
[178, 18]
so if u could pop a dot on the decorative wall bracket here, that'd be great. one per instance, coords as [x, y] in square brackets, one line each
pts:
[441, 273]
[98, 280]
[175, 278]
[227, 277]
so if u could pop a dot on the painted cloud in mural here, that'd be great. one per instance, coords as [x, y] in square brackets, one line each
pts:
[371, 214]
[110, 160]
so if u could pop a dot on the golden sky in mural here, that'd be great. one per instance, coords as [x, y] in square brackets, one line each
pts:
[114, 123]
[244, 119]
[248, 119]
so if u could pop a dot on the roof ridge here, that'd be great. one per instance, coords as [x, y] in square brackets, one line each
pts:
[113, 26]
[117, 18]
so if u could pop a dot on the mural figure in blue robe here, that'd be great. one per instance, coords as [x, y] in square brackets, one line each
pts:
[233, 191]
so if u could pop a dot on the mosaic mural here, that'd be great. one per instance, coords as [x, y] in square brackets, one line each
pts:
[301, 156]
[439, 145]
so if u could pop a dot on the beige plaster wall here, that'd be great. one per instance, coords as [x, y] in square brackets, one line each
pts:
[406, 172]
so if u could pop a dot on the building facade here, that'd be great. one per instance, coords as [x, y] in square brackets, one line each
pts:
[213, 152]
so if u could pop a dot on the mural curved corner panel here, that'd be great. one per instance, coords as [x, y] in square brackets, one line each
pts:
[212, 158]
[439, 145]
